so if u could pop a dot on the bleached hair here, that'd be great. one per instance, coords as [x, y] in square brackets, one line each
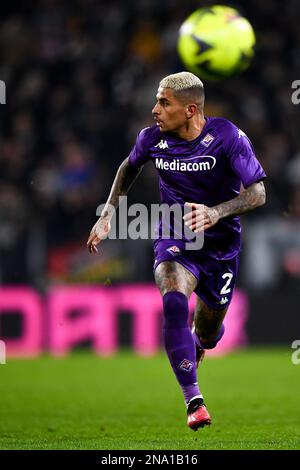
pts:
[181, 81]
[186, 86]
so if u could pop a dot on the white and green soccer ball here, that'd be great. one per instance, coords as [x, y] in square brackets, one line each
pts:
[216, 42]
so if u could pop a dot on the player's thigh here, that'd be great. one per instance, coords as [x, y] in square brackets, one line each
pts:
[173, 277]
[214, 293]
[217, 282]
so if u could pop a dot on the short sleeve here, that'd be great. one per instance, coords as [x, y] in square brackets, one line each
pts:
[242, 158]
[139, 154]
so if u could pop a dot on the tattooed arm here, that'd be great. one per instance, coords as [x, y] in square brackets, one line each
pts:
[202, 217]
[125, 177]
[252, 197]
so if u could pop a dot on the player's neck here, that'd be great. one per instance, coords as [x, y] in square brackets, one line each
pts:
[192, 129]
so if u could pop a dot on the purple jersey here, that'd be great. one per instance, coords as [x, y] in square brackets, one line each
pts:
[207, 170]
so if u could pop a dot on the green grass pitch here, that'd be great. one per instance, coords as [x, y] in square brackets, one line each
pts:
[128, 402]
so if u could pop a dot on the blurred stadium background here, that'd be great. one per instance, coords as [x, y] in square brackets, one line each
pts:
[81, 78]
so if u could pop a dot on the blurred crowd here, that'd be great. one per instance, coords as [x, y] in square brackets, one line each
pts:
[81, 78]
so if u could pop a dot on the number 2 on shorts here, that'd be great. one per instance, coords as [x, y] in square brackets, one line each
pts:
[225, 289]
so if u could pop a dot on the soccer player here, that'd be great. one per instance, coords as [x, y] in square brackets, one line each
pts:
[202, 163]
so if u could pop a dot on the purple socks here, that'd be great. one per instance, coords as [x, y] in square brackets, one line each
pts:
[179, 343]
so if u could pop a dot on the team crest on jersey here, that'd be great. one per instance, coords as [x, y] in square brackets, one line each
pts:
[174, 250]
[186, 365]
[208, 139]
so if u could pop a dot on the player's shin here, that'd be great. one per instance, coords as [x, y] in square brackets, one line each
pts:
[179, 343]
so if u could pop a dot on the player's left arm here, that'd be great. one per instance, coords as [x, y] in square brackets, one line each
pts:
[252, 197]
[202, 217]
[247, 168]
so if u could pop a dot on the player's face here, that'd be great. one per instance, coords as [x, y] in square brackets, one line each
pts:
[169, 113]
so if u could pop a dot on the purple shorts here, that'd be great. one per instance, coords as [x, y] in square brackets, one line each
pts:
[216, 279]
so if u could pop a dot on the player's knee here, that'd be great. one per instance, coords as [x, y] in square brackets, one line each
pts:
[175, 310]
[211, 341]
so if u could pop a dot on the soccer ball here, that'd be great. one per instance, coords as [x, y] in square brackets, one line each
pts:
[216, 42]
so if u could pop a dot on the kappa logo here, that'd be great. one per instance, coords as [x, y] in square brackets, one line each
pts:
[241, 133]
[174, 250]
[186, 365]
[163, 144]
[208, 139]
[223, 301]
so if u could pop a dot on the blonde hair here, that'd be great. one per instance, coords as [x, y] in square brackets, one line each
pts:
[186, 87]
[181, 81]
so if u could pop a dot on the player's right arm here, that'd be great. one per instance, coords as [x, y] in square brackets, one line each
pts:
[127, 173]
[124, 179]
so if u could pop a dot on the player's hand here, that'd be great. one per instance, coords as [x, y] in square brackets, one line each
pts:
[98, 233]
[200, 217]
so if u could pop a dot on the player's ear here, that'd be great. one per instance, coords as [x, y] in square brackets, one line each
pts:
[191, 110]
